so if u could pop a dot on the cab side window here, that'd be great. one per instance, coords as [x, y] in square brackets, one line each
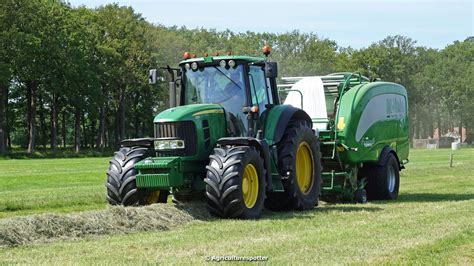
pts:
[258, 87]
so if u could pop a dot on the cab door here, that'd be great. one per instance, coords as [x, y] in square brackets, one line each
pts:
[260, 92]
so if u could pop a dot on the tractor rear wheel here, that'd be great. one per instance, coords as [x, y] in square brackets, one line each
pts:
[235, 182]
[383, 180]
[299, 159]
[121, 180]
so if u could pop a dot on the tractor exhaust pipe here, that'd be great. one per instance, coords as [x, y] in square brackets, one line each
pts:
[172, 94]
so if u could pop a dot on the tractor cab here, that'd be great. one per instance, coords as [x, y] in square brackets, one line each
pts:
[225, 138]
[239, 84]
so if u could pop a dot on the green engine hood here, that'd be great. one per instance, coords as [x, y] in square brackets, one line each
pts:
[210, 123]
[188, 112]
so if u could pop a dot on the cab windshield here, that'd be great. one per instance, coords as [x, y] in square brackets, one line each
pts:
[219, 85]
[214, 84]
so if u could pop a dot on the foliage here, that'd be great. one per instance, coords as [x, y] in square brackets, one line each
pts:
[76, 77]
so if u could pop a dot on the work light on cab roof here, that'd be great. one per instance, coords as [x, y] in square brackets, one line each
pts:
[266, 49]
[186, 55]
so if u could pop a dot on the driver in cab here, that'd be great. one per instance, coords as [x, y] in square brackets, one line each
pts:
[234, 92]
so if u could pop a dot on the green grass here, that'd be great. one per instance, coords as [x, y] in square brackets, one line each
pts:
[52, 185]
[431, 223]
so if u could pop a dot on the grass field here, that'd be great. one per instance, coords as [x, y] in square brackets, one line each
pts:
[431, 223]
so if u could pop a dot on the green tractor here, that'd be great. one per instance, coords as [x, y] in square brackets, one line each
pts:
[227, 139]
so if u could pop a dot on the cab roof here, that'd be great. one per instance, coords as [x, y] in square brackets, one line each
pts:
[223, 57]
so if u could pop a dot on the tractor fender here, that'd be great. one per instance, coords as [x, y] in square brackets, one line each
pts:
[261, 145]
[141, 142]
[284, 114]
[384, 155]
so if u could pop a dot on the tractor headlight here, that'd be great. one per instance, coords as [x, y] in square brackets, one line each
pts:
[169, 144]
[194, 65]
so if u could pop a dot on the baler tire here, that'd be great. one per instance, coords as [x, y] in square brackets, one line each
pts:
[121, 184]
[293, 198]
[383, 181]
[225, 186]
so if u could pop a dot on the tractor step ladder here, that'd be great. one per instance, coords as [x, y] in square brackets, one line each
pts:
[328, 177]
[332, 145]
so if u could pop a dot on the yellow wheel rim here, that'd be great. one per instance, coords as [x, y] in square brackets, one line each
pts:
[304, 167]
[153, 197]
[250, 185]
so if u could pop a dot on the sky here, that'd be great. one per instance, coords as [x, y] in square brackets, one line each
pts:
[352, 23]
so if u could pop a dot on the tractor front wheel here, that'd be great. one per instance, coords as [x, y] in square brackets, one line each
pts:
[121, 180]
[235, 182]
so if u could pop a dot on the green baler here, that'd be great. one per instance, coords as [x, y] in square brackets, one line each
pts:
[364, 137]
[229, 140]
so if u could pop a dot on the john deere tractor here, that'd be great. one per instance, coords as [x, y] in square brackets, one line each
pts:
[225, 138]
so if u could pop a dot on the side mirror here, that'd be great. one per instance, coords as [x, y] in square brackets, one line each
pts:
[271, 69]
[152, 76]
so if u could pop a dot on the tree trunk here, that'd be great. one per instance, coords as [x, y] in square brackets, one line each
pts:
[9, 139]
[42, 121]
[93, 124]
[438, 121]
[144, 128]
[136, 122]
[417, 124]
[85, 133]
[122, 116]
[63, 129]
[7, 127]
[136, 126]
[54, 123]
[460, 130]
[3, 118]
[106, 129]
[77, 129]
[31, 116]
[100, 142]
[468, 133]
[117, 129]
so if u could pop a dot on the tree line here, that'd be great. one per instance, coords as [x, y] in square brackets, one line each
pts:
[77, 77]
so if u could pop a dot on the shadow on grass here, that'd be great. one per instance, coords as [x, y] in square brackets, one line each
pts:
[196, 209]
[199, 211]
[433, 197]
[272, 215]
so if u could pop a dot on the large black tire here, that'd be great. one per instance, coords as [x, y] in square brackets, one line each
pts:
[227, 184]
[121, 180]
[293, 198]
[383, 181]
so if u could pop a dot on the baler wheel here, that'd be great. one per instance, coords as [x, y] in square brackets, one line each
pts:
[121, 180]
[299, 159]
[383, 180]
[235, 182]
